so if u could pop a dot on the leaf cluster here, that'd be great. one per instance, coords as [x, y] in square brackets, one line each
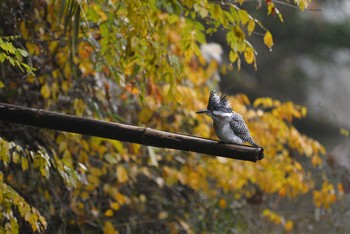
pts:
[13, 55]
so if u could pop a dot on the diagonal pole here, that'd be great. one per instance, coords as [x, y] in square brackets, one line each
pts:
[123, 132]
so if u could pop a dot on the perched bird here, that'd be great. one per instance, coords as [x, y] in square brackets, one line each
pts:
[229, 126]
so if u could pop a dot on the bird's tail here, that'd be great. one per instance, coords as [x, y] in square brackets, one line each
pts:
[250, 141]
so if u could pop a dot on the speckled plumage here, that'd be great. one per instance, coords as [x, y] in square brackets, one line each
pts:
[229, 126]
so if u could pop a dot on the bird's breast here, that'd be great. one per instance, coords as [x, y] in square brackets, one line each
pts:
[224, 132]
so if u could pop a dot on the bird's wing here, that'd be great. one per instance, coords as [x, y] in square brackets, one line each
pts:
[241, 130]
[239, 127]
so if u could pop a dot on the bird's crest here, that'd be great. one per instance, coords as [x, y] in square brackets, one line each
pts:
[217, 102]
[225, 102]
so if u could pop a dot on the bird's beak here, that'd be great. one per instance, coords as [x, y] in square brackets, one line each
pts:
[203, 112]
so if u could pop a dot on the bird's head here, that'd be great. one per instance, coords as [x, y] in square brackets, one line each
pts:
[218, 106]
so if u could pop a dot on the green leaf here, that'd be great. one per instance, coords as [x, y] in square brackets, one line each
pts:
[110, 158]
[2, 57]
[23, 52]
[244, 16]
[233, 56]
[11, 60]
[15, 157]
[217, 11]
[24, 163]
[61, 10]
[8, 47]
[235, 14]
[76, 29]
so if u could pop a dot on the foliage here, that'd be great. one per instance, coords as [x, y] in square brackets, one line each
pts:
[13, 55]
[139, 62]
[11, 202]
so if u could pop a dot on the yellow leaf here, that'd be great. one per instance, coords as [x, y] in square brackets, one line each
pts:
[24, 29]
[118, 146]
[1, 85]
[317, 198]
[326, 196]
[316, 161]
[145, 115]
[129, 69]
[80, 205]
[108, 228]
[249, 55]
[282, 192]
[251, 26]
[108, 213]
[303, 111]
[143, 198]
[203, 12]
[114, 205]
[45, 91]
[241, 46]
[216, 11]
[95, 171]
[122, 174]
[298, 166]
[239, 34]
[244, 16]
[268, 39]
[93, 179]
[162, 215]
[344, 132]
[244, 99]
[84, 195]
[65, 86]
[62, 146]
[15, 157]
[85, 145]
[120, 198]
[272, 216]
[271, 9]
[102, 149]
[266, 213]
[233, 56]
[265, 102]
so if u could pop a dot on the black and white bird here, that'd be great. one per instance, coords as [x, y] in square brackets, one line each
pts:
[229, 126]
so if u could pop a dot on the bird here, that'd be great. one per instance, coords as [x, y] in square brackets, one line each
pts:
[229, 126]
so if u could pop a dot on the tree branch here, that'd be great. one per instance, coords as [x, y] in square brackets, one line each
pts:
[122, 132]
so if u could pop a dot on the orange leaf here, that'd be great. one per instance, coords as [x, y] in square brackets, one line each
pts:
[288, 226]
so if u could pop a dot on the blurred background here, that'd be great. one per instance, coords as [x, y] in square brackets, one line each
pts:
[308, 64]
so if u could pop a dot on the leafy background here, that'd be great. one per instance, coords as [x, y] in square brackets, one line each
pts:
[143, 63]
